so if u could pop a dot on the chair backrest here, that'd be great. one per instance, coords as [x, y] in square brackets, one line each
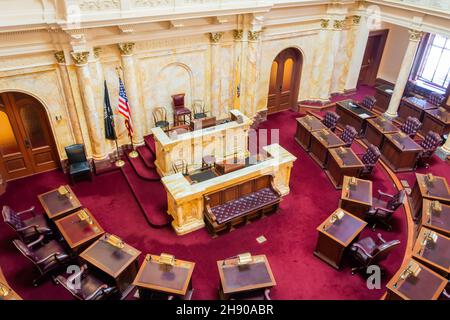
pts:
[75, 153]
[369, 102]
[372, 155]
[435, 98]
[383, 250]
[411, 125]
[349, 134]
[178, 100]
[330, 119]
[431, 141]
[198, 106]
[23, 248]
[159, 114]
[179, 165]
[11, 218]
[397, 200]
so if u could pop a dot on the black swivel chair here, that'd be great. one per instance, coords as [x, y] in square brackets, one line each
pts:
[77, 162]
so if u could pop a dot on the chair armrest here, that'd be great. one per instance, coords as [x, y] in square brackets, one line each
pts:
[274, 188]
[381, 238]
[38, 240]
[357, 245]
[267, 294]
[446, 294]
[35, 226]
[381, 193]
[210, 213]
[93, 294]
[30, 210]
[53, 255]
[76, 275]
[383, 209]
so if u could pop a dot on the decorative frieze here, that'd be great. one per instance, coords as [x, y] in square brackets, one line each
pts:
[338, 24]
[97, 5]
[414, 35]
[59, 55]
[253, 35]
[126, 48]
[153, 3]
[215, 36]
[238, 34]
[80, 58]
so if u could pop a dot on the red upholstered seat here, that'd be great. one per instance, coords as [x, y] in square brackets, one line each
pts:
[181, 111]
[243, 205]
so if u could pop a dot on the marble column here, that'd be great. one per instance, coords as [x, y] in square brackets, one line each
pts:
[252, 72]
[215, 72]
[73, 116]
[403, 75]
[93, 118]
[132, 89]
[237, 80]
[444, 151]
[342, 56]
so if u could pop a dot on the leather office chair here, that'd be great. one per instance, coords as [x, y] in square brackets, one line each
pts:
[411, 126]
[370, 159]
[160, 118]
[330, 120]
[27, 229]
[180, 165]
[383, 208]
[179, 110]
[367, 252]
[435, 99]
[429, 145]
[200, 111]
[78, 163]
[348, 135]
[46, 257]
[369, 102]
[90, 287]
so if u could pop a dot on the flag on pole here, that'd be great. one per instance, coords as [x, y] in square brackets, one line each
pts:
[124, 108]
[110, 132]
[237, 89]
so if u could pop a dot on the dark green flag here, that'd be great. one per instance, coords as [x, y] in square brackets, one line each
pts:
[110, 133]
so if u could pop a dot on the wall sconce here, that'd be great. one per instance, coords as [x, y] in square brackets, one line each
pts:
[58, 117]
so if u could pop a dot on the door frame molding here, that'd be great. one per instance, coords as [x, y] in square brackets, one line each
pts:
[379, 55]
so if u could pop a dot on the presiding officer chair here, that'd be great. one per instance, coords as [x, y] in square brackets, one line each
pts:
[78, 163]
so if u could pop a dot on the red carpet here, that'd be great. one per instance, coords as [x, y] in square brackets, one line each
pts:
[291, 232]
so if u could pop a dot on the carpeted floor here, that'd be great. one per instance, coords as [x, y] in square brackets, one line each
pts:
[291, 232]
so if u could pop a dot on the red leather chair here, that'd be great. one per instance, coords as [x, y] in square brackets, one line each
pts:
[383, 207]
[179, 110]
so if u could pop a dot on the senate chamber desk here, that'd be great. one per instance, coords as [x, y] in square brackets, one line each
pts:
[335, 236]
[433, 254]
[342, 161]
[383, 94]
[356, 198]
[437, 120]
[425, 189]
[415, 281]
[414, 107]
[185, 197]
[6, 292]
[353, 114]
[436, 220]
[321, 141]
[56, 205]
[376, 129]
[305, 126]
[399, 152]
[220, 141]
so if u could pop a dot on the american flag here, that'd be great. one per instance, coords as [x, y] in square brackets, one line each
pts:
[124, 108]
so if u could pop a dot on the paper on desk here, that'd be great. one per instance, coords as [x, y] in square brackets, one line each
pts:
[364, 115]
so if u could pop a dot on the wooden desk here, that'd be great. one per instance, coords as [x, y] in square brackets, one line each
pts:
[227, 166]
[376, 129]
[342, 162]
[437, 120]
[414, 107]
[120, 264]
[203, 123]
[399, 152]
[235, 279]
[6, 292]
[57, 206]
[321, 141]
[356, 199]
[435, 255]
[335, 238]
[437, 190]
[383, 95]
[353, 114]
[155, 277]
[306, 125]
[79, 233]
[428, 285]
[438, 221]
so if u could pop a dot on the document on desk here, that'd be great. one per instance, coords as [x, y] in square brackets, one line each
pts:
[364, 115]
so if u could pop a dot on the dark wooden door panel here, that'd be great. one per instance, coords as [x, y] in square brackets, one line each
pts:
[372, 57]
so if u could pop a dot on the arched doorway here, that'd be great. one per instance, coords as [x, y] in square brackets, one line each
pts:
[284, 80]
[26, 141]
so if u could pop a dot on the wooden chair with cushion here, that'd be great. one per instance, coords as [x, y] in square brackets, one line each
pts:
[370, 159]
[435, 99]
[411, 126]
[179, 110]
[348, 135]
[369, 102]
[429, 146]
[160, 118]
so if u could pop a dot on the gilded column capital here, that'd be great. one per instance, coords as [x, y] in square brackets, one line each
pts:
[356, 20]
[414, 35]
[253, 35]
[126, 48]
[238, 34]
[215, 37]
[59, 55]
[338, 24]
[324, 23]
[97, 51]
[80, 58]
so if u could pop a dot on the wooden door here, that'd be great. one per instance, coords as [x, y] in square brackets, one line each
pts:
[284, 80]
[372, 57]
[26, 141]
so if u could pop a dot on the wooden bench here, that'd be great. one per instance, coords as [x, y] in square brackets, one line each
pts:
[240, 203]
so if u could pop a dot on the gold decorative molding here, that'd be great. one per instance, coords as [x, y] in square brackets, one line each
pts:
[238, 34]
[356, 20]
[80, 58]
[339, 24]
[414, 35]
[253, 35]
[215, 36]
[324, 23]
[126, 48]
[59, 55]
[97, 51]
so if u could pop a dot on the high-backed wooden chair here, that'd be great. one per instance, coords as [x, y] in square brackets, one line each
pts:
[179, 110]
[160, 118]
